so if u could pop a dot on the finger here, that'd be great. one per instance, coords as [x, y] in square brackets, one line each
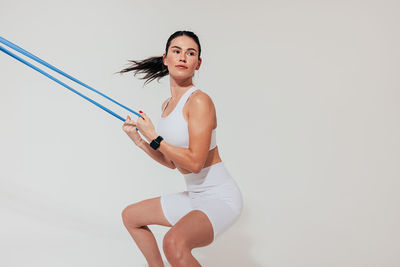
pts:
[143, 115]
[130, 123]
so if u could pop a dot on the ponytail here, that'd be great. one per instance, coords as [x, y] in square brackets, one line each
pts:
[153, 67]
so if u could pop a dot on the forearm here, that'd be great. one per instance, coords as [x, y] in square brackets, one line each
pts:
[182, 157]
[156, 154]
[178, 156]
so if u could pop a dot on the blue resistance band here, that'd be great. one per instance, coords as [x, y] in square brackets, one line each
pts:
[26, 53]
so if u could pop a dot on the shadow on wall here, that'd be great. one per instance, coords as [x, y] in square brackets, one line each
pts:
[232, 248]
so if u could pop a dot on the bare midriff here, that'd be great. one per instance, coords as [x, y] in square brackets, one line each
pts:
[212, 158]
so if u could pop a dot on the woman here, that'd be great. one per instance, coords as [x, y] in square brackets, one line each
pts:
[184, 139]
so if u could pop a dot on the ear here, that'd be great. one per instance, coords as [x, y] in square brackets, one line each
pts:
[164, 59]
[198, 64]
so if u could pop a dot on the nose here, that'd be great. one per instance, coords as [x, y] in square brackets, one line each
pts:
[182, 57]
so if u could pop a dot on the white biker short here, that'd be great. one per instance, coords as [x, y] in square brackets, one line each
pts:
[212, 191]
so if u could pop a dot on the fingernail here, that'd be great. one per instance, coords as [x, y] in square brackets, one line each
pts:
[140, 111]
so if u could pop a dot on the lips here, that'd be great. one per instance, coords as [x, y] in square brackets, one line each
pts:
[181, 66]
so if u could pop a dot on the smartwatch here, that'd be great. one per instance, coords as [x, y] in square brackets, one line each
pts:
[156, 142]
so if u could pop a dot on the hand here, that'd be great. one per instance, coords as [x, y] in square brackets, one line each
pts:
[129, 128]
[146, 127]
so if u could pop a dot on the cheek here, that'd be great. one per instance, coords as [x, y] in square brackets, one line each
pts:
[169, 58]
[194, 64]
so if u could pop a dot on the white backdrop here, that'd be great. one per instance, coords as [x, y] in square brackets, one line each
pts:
[307, 100]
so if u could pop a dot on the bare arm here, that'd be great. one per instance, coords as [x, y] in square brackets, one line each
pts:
[156, 155]
[200, 125]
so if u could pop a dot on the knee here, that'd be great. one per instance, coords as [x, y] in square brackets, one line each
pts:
[174, 247]
[128, 216]
[125, 215]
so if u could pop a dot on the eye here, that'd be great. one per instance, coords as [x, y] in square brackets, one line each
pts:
[176, 51]
[191, 53]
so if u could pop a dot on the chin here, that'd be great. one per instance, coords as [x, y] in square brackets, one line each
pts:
[181, 76]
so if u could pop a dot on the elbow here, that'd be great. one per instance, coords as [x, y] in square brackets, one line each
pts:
[197, 167]
[196, 170]
[197, 162]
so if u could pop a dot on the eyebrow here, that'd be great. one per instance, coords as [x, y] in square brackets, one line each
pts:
[181, 48]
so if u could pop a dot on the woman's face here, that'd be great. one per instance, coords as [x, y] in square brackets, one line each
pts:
[184, 51]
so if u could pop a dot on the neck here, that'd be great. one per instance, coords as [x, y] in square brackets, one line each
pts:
[178, 88]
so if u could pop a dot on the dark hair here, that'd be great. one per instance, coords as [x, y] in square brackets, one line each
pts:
[153, 67]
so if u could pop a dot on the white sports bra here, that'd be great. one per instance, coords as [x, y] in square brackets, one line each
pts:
[174, 128]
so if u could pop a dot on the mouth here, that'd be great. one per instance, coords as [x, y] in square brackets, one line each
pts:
[181, 67]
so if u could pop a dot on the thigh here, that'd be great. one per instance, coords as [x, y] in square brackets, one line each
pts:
[193, 230]
[145, 212]
[176, 205]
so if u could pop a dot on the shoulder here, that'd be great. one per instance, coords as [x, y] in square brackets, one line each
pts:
[202, 110]
[200, 99]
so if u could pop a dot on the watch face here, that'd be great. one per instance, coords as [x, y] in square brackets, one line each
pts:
[154, 144]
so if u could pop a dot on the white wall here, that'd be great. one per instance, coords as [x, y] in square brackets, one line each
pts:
[307, 99]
